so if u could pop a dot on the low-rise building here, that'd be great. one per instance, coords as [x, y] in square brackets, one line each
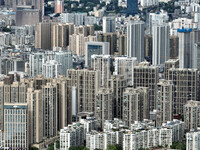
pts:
[72, 135]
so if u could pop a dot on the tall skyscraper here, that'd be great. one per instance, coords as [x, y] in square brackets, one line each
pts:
[191, 115]
[108, 24]
[50, 110]
[77, 43]
[37, 60]
[148, 46]
[122, 39]
[186, 87]
[135, 40]
[145, 75]
[135, 105]
[98, 48]
[59, 35]
[187, 39]
[35, 111]
[157, 18]
[171, 63]
[86, 85]
[104, 64]
[165, 96]
[104, 106]
[132, 7]
[124, 66]
[161, 48]
[1, 106]
[28, 16]
[16, 128]
[43, 35]
[14, 93]
[118, 84]
[174, 44]
[193, 140]
[59, 6]
[111, 38]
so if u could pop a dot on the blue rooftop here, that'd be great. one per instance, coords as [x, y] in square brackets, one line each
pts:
[185, 30]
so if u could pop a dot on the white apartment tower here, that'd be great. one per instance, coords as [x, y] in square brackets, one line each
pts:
[192, 115]
[102, 63]
[165, 101]
[161, 50]
[108, 24]
[193, 140]
[135, 40]
[124, 66]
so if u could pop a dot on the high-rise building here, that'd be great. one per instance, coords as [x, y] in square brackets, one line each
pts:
[16, 127]
[171, 63]
[148, 46]
[135, 40]
[28, 16]
[77, 43]
[135, 105]
[122, 48]
[187, 39]
[185, 86]
[1, 106]
[161, 51]
[51, 69]
[108, 24]
[193, 140]
[111, 38]
[43, 35]
[165, 95]
[104, 106]
[145, 75]
[196, 58]
[50, 110]
[174, 44]
[132, 7]
[85, 30]
[51, 34]
[118, 84]
[35, 111]
[157, 18]
[124, 66]
[75, 18]
[86, 83]
[97, 48]
[104, 64]
[14, 92]
[191, 115]
[59, 6]
[38, 59]
[59, 35]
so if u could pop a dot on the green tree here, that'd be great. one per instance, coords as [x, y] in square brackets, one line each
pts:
[50, 147]
[58, 144]
[34, 148]
[5, 29]
[97, 27]
[114, 147]
[178, 145]
[78, 148]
